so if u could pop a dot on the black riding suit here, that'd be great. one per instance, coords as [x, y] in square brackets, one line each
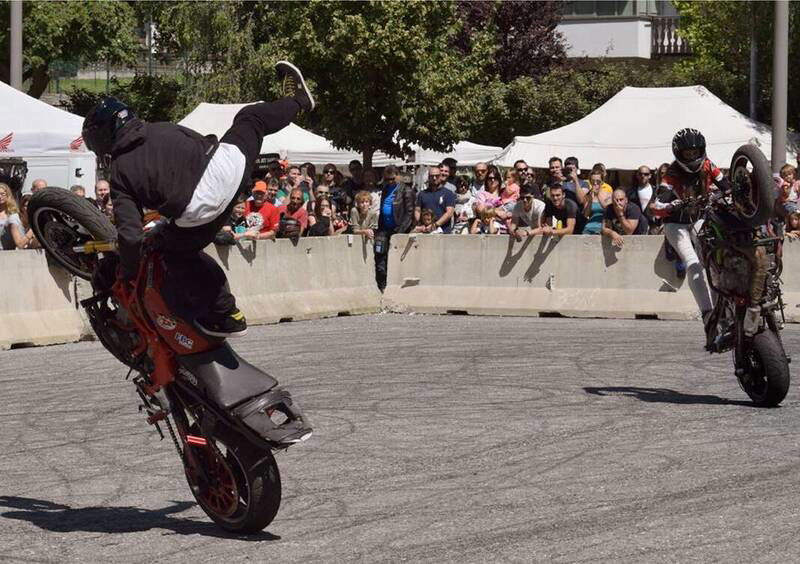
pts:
[158, 166]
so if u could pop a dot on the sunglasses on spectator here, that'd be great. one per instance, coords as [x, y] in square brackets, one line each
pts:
[522, 169]
[329, 172]
[528, 197]
[492, 177]
[477, 170]
[645, 174]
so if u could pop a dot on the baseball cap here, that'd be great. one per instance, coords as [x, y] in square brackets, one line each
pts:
[260, 186]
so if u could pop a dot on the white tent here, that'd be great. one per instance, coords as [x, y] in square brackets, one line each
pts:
[47, 138]
[636, 127]
[292, 142]
[465, 152]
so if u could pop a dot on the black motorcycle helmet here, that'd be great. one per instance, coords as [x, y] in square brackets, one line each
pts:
[689, 138]
[102, 124]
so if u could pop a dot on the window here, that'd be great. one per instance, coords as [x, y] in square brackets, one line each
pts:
[618, 8]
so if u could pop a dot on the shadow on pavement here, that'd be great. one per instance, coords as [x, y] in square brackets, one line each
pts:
[662, 395]
[63, 518]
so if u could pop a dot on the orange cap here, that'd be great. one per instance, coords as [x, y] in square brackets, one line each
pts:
[260, 186]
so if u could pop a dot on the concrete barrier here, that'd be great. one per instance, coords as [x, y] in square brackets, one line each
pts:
[272, 281]
[37, 301]
[317, 277]
[575, 276]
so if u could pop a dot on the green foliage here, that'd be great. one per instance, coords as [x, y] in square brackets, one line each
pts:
[69, 31]
[154, 98]
[719, 33]
[527, 106]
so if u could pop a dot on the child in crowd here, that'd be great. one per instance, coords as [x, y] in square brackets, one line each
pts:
[236, 227]
[426, 219]
[364, 219]
[793, 224]
[464, 211]
[510, 193]
[488, 224]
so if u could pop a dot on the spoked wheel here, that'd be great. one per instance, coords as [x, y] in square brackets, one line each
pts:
[767, 371]
[753, 187]
[239, 486]
[61, 221]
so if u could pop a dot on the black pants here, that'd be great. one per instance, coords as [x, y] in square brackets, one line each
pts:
[196, 286]
[382, 258]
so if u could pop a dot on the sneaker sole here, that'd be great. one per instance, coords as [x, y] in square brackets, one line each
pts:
[241, 333]
[302, 81]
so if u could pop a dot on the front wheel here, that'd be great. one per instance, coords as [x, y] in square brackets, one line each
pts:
[239, 485]
[752, 186]
[766, 371]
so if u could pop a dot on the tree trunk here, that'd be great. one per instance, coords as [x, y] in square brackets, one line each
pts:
[40, 78]
[366, 156]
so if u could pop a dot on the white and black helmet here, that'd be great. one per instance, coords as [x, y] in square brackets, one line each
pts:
[689, 138]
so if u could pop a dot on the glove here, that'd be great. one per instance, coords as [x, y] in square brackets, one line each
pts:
[105, 274]
[677, 204]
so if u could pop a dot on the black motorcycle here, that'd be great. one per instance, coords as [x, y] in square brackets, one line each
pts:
[738, 241]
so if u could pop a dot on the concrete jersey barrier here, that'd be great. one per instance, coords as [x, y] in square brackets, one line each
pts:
[573, 276]
[272, 281]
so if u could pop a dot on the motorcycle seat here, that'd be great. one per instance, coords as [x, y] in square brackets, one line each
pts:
[225, 377]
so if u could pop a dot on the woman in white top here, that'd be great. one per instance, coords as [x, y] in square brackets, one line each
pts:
[12, 233]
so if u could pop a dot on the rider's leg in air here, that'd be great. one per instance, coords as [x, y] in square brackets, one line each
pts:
[194, 278]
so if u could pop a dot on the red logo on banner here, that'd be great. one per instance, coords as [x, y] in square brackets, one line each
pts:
[5, 142]
[76, 144]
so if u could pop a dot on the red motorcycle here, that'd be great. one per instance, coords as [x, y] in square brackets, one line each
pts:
[229, 415]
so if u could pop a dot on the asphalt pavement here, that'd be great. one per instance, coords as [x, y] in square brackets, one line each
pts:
[437, 439]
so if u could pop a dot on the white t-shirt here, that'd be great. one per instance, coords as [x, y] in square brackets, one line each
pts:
[532, 218]
[6, 238]
[644, 193]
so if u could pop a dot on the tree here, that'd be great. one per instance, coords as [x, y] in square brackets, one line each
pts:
[68, 31]
[524, 32]
[719, 34]
[385, 74]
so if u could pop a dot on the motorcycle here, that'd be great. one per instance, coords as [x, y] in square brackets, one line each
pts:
[736, 239]
[229, 415]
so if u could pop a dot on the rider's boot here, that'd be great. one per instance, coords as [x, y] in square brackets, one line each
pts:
[752, 316]
[231, 324]
[293, 85]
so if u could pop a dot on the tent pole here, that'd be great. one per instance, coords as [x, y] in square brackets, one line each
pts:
[15, 45]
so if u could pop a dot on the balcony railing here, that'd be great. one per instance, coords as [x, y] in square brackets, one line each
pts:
[665, 40]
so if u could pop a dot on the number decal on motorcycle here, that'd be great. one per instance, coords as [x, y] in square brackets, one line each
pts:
[184, 341]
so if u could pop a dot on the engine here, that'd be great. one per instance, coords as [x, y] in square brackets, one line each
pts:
[734, 273]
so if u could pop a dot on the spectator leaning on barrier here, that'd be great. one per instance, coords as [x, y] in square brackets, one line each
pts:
[12, 232]
[30, 239]
[371, 186]
[396, 216]
[488, 224]
[622, 217]
[595, 204]
[38, 184]
[295, 209]
[464, 211]
[438, 199]
[479, 171]
[364, 219]
[559, 213]
[322, 223]
[426, 223]
[789, 190]
[236, 226]
[642, 194]
[261, 217]
[526, 219]
[490, 197]
[792, 229]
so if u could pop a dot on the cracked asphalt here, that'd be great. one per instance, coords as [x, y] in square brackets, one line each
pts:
[437, 439]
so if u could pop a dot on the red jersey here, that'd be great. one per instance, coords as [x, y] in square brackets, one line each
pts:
[265, 218]
[678, 184]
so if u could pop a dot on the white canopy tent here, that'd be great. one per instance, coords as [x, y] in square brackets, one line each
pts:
[465, 152]
[292, 142]
[47, 138]
[636, 126]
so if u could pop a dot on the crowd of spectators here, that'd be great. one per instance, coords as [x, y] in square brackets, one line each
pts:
[294, 201]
